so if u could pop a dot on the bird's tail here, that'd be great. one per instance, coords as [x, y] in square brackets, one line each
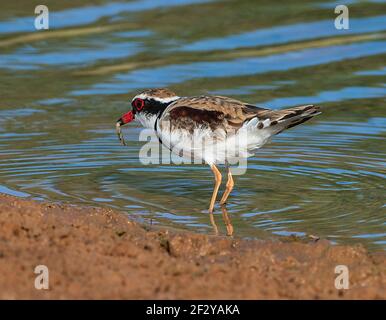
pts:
[281, 120]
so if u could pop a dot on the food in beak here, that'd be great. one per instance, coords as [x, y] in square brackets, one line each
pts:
[119, 133]
[126, 118]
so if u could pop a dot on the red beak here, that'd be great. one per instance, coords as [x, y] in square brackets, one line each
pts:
[126, 118]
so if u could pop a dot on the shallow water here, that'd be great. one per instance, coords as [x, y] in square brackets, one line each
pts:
[61, 95]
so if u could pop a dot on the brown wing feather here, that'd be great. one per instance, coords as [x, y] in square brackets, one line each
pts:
[219, 112]
[213, 111]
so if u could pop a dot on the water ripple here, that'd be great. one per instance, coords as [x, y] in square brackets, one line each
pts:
[168, 75]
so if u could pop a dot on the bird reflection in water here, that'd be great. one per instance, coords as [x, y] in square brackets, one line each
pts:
[226, 219]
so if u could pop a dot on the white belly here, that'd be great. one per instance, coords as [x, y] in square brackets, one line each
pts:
[214, 147]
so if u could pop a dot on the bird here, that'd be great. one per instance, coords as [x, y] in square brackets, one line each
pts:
[214, 129]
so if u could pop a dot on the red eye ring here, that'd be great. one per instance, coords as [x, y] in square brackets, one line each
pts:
[138, 104]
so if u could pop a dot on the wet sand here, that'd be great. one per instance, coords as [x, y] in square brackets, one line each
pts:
[96, 253]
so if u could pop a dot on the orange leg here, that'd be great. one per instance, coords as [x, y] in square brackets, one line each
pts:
[217, 177]
[228, 187]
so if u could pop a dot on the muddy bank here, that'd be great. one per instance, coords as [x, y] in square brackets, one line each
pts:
[98, 253]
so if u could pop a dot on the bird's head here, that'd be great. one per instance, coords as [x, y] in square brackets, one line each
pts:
[148, 105]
